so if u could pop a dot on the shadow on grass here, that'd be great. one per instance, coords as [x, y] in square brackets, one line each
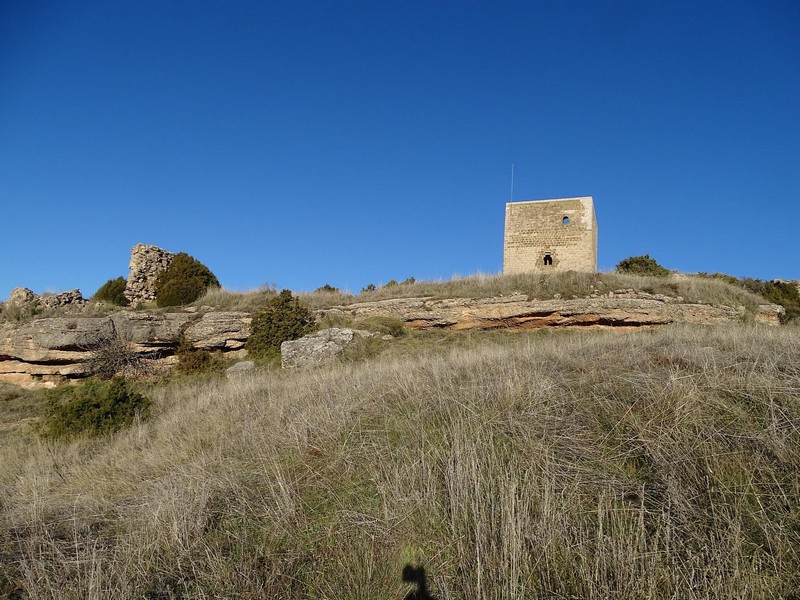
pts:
[417, 576]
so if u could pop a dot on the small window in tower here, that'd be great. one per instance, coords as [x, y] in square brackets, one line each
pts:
[548, 260]
[565, 220]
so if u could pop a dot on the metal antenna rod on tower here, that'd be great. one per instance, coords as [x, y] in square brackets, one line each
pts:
[512, 183]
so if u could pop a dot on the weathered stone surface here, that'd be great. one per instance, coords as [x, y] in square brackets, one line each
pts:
[770, 314]
[147, 263]
[24, 368]
[47, 349]
[318, 347]
[240, 367]
[59, 339]
[151, 330]
[219, 331]
[623, 309]
[21, 297]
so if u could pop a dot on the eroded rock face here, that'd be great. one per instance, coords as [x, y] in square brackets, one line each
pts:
[624, 310]
[319, 347]
[56, 340]
[147, 263]
[148, 331]
[46, 351]
[219, 331]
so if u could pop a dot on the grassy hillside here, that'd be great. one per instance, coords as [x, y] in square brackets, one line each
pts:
[721, 290]
[658, 464]
[535, 285]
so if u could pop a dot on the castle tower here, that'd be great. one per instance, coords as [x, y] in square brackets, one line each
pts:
[545, 236]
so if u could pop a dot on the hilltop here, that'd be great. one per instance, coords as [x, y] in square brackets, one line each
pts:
[494, 434]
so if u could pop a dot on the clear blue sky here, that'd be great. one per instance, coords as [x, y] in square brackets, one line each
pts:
[303, 143]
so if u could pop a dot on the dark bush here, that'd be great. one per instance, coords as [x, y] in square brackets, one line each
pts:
[370, 287]
[192, 361]
[282, 318]
[195, 361]
[184, 281]
[113, 292]
[92, 408]
[641, 265]
[326, 288]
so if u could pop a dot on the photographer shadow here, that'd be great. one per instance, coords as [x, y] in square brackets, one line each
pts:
[416, 575]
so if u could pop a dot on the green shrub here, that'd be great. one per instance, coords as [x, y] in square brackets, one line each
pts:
[370, 287]
[196, 361]
[283, 318]
[641, 265]
[784, 293]
[113, 292]
[184, 281]
[92, 408]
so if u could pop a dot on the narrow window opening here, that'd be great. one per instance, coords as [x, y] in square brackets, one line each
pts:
[565, 220]
[548, 260]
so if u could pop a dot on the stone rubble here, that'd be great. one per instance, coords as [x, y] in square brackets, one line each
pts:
[24, 298]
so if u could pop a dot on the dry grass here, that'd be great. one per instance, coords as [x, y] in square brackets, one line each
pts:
[657, 464]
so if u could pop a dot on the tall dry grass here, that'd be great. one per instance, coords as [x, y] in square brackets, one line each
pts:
[657, 464]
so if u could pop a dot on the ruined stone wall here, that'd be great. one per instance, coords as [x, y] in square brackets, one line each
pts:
[147, 263]
[545, 236]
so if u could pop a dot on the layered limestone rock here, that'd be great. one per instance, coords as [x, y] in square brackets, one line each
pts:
[45, 351]
[147, 263]
[624, 309]
[49, 350]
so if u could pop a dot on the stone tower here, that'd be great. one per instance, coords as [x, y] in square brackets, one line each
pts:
[147, 263]
[545, 236]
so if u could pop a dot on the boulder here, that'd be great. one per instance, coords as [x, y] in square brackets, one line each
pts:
[243, 366]
[319, 347]
[21, 297]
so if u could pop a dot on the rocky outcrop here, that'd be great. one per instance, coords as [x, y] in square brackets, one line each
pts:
[51, 350]
[319, 347]
[147, 263]
[620, 309]
[25, 298]
[219, 331]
